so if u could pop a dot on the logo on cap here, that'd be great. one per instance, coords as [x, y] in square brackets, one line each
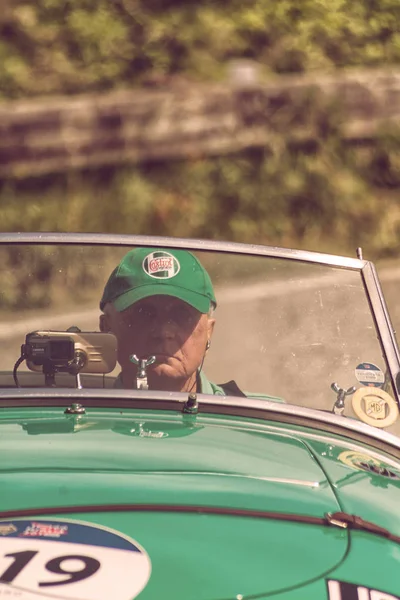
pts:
[161, 265]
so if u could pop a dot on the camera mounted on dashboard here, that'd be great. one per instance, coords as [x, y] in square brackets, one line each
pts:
[72, 351]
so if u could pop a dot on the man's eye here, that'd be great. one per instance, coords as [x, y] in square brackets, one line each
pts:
[181, 316]
[140, 313]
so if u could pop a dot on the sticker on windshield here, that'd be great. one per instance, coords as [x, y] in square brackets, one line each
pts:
[341, 590]
[370, 375]
[61, 559]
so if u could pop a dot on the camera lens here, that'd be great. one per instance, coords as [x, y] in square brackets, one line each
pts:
[61, 350]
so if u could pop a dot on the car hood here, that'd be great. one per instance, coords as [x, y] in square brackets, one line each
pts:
[115, 460]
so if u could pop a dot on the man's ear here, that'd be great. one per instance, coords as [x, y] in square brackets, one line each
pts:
[104, 325]
[210, 328]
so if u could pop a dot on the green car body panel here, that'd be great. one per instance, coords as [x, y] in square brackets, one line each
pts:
[108, 458]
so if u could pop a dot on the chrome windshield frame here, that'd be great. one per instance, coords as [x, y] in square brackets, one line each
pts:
[368, 274]
[383, 324]
[105, 239]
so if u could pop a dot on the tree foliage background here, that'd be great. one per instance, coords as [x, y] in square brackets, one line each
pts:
[332, 198]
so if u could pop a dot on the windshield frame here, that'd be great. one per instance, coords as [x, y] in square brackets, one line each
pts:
[366, 269]
[110, 239]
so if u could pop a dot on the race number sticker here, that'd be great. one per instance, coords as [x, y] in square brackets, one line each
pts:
[341, 590]
[370, 375]
[44, 559]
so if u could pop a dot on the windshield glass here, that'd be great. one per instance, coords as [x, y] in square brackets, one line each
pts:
[282, 329]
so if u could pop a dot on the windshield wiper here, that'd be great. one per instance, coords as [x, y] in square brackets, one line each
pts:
[337, 519]
[347, 521]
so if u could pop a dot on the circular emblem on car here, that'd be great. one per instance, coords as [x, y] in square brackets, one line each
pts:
[161, 265]
[365, 462]
[375, 407]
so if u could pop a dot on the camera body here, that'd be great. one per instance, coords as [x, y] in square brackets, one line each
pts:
[70, 351]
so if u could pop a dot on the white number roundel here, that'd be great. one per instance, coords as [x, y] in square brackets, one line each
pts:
[62, 559]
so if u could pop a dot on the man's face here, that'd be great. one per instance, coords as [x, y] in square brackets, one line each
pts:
[167, 328]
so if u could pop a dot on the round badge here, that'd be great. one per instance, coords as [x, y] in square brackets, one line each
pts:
[354, 459]
[49, 559]
[375, 407]
[161, 265]
[370, 375]
[364, 462]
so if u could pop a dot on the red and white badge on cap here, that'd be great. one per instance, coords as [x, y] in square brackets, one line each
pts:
[161, 265]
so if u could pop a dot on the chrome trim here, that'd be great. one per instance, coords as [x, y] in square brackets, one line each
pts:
[385, 310]
[222, 405]
[336, 522]
[311, 484]
[383, 324]
[104, 239]
[75, 409]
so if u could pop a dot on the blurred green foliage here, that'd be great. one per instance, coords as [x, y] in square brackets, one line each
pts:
[35, 277]
[331, 198]
[328, 197]
[70, 46]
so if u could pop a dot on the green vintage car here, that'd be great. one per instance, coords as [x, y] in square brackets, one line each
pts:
[278, 476]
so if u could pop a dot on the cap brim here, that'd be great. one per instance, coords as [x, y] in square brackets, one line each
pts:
[198, 301]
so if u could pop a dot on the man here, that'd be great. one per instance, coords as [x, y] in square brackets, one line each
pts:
[160, 303]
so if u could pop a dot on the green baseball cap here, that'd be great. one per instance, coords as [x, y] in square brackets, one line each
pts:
[145, 272]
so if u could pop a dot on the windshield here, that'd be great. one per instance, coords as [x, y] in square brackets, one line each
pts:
[282, 329]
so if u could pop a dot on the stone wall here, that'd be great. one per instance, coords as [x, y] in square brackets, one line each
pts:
[183, 119]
